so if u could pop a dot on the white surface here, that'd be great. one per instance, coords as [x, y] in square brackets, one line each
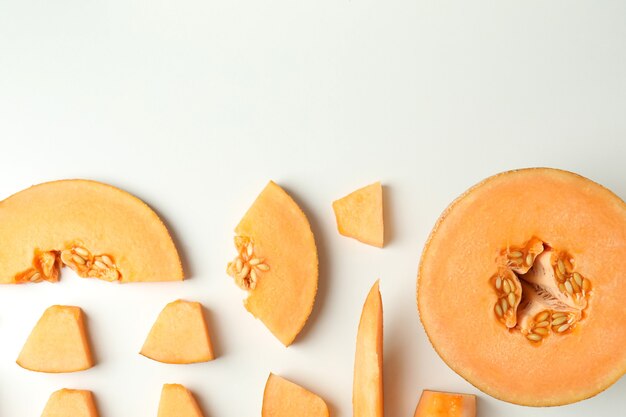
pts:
[193, 105]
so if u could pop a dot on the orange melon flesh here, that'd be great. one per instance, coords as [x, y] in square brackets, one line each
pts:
[70, 402]
[88, 219]
[177, 401]
[277, 232]
[455, 294]
[444, 404]
[57, 343]
[283, 398]
[179, 335]
[360, 215]
[367, 390]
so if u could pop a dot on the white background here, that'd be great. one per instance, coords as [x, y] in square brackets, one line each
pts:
[194, 105]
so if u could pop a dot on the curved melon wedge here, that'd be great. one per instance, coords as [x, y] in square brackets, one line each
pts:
[57, 343]
[445, 404]
[98, 230]
[179, 335]
[283, 398]
[70, 402]
[367, 391]
[360, 215]
[276, 263]
[177, 401]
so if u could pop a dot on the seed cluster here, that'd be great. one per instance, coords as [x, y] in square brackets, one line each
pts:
[246, 266]
[558, 322]
[559, 315]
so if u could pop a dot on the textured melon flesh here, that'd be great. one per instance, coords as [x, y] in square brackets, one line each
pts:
[179, 335]
[177, 401]
[70, 403]
[444, 404]
[276, 233]
[117, 236]
[456, 295]
[57, 343]
[283, 398]
[367, 390]
[360, 215]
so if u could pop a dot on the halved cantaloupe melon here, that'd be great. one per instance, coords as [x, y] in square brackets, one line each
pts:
[445, 404]
[70, 403]
[276, 263]
[283, 398]
[179, 335]
[177, 401]
[521, 278]
[98, 230]
[367, 390]
[57, 343]
[360, 215]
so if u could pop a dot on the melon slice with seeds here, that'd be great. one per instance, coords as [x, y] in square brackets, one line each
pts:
[57, 343]
[177, 401]
[360, 215]
[367, 391]
[283, 398]
[70, 403]
[276, 263]
[179, 335]
[445, 404]
[95, 229]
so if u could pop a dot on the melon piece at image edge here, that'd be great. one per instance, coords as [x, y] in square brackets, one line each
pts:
[276, 263]
[445, 404]
[523, 276]
[70, 403]
[283, 398]
[179, 335]
[58, 342]
[360, 215]
[97, 230]
[367, 390]
[177, 401]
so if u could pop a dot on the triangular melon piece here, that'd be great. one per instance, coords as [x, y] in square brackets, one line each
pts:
[367, 390]
[179, 335]
[177, 401]
[283, 398]
[444, 404]
[70, 403]
[57, 343]
[360, 215]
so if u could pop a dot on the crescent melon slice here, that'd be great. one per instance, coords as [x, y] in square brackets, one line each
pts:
[367, 390]
[445, 404]
[97, 230]
[276, 263]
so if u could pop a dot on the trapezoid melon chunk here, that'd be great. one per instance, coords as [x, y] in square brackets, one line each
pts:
[177, 401]
[70, 403]
[523, 276]
[57, 343]
[179, 335]
[97, 230]
[367, 390]
[445, 404]
[360, 215]
[276, 263]
[283, 398]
